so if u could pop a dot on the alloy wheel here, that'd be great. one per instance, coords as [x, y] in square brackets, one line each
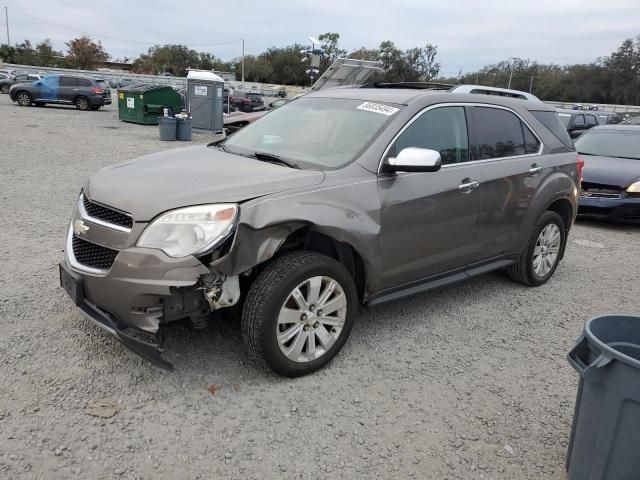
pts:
[547, 249]
[311, 319]
[24, 99]
[82, 104]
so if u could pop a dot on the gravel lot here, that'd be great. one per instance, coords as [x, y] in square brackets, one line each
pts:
[466, 382]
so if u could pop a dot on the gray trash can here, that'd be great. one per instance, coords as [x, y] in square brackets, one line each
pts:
[184, 129]
[605, 435]
[167, 128]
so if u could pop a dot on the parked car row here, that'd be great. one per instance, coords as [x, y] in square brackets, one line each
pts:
[9, 80]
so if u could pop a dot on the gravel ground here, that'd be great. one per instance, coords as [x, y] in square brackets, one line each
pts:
[466, 382]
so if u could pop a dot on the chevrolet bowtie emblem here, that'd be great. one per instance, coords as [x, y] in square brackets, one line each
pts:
[79, 227]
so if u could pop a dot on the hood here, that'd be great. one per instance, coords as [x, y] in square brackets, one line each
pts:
[620, 172]
[243, 117]
[152, 184]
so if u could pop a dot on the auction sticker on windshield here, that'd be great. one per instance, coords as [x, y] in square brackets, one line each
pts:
[378, 108]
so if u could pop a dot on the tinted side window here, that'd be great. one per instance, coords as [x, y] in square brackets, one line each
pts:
[553, 122]
[441, 129]
[67, 82]
[84, 82]
[21, 77]
[498, 133]
[531, 143]
[578, 121]
[591, 120]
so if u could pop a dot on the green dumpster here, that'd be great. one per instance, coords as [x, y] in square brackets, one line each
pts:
[144, 103]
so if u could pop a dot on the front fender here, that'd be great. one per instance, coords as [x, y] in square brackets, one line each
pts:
[347, 213]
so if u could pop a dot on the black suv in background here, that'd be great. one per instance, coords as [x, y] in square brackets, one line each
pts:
[9, 80]
[84, 92]
[577, 121]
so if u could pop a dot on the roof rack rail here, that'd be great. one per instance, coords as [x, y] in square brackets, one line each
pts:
[413, 85]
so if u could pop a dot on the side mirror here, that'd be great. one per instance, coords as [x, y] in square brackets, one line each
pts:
[414, 159]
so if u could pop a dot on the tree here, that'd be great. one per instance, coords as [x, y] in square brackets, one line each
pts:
[422, 61]
[329, 45]
[84, 53]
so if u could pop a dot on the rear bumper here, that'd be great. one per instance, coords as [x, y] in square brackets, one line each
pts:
[100, 100]
[625, 210]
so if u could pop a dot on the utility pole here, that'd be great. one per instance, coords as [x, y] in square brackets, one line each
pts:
[531, 84]
[243, 63]
[6, 17]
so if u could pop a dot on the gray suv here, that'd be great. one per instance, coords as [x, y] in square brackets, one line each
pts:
[339, 198]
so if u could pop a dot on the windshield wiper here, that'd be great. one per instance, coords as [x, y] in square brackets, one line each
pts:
[269, 157]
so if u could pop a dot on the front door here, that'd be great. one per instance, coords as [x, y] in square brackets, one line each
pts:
[48, 89]
[428, 220]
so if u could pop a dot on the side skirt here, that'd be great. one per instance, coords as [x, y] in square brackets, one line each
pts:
[440, 280]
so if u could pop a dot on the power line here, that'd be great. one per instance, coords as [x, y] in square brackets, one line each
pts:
[109, 37]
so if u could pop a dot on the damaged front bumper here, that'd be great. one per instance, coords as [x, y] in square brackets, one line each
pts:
[73, 284]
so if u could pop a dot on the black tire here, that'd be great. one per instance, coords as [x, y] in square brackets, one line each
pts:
[523, 270]
[82, 103]
[24, 99]
[5, 89]
[269, 292]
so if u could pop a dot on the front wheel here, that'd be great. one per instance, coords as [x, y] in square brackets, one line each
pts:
[299, 312]
[5, 89]
[542, 253]
[24, 99]
[82, 103]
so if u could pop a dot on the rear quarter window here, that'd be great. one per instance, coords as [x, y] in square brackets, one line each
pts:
[552, 123]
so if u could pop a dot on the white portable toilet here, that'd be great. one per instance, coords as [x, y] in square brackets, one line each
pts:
[205, 91]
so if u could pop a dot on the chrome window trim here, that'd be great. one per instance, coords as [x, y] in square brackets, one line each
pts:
[464, 104]
[97, 221]
[75, 265]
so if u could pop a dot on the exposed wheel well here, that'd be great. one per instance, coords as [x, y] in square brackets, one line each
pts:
[308, 239]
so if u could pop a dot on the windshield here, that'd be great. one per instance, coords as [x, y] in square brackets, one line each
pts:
[610, 143]
[564, 118]
[314, 133]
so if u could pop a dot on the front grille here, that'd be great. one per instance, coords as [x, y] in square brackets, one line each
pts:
[92, 255]
[106, 214]
[596, 194]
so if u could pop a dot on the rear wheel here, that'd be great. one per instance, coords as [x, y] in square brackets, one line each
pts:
[299, 312]
[5, 89]
[24, 99]
[541, 256]
[82, 103]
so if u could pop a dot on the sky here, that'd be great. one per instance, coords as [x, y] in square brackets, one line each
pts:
[469, 34]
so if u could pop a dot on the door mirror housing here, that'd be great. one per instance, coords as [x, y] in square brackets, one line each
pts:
[412, 159]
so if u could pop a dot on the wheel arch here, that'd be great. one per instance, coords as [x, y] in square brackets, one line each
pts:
[259, 247]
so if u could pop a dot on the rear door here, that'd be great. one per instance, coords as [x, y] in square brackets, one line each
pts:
[428, 220]
[510, 169]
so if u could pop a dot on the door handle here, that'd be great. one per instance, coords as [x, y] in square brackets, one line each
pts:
[534, 170]
[468, 185]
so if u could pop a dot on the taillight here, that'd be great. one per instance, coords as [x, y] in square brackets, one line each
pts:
[580, 164]
[97, 91]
